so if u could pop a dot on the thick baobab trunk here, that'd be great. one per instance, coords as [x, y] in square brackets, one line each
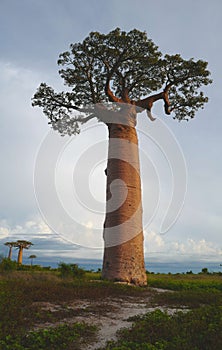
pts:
[20, 256]
[123, 232]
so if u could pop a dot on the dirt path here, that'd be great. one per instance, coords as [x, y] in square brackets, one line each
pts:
[112, 322]
[109, 315]
[121, 310]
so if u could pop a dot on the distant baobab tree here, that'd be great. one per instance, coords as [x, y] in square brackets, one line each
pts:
[32, 257]
[10, 245]
[22, 244]
[113, 77]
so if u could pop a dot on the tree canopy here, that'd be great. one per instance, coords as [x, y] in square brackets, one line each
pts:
[23, 244]
[121, 67]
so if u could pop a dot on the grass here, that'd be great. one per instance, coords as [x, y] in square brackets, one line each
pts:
[199, 329]
[186, 282]
[188, 298]
[188, 290]
[23, 294]
[26, 325]
[53, 338]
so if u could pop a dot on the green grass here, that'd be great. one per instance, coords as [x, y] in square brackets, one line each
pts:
[199, 329]
[187, 290]
[186, 282]
[188, 298]
[53, 338]
[22, 293]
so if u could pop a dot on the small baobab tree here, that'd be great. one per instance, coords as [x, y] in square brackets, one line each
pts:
[22, 244]
[10, 245]
[31, 257]
[113, 77]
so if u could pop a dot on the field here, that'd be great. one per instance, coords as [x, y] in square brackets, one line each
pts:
[68, 308]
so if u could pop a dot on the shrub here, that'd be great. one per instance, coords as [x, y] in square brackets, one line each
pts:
[199, 329]
[7, 265]
[55, 338]
[70, 271]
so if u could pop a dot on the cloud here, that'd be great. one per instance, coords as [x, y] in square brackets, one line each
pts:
[21, 134]
[48, 246]
[154, 242]
[4, 229]
[187, 249]
[202, 247]
[51, 247]
[30, 227]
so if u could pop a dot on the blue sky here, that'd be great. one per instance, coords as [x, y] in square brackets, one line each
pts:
[33, 33]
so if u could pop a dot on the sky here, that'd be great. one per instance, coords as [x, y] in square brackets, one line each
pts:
[32, 35]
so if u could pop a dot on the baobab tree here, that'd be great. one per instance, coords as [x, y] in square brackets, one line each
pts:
[10, 245]
[22, 244]
[33, 256]
[113, 77]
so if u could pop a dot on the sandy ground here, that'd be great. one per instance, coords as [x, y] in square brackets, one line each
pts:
[109, 315]
[110, 324]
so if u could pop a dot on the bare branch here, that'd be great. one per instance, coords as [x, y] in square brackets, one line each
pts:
[150, 116]
[166, 99]
[110, 72]
[109, 93]
[85, 119]
[147, 103]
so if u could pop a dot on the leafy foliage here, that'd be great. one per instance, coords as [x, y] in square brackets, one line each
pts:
[7, 265]
[127, 58]
[55, 338]
[198, 329]
[130, 65]
[22, 244]
[186, 78]
[70, 270]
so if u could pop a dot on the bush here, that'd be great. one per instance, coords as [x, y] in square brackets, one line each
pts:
[199, 329]
[56, 338]
[7, 265]
[70, 271]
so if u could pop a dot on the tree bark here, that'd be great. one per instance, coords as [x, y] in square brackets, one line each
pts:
[20, 255]
[10, 253]
[123, 232]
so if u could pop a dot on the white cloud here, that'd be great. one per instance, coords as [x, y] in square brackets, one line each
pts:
[189, 248]
[202, 247]
[154, 242]
[157, 246]
[4, 229]
[31, 227]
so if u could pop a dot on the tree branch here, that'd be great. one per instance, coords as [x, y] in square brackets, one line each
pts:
[59, 103]
[109, 93]
[85, 119]
[147, 103]
[166, 99]
[114, 69]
